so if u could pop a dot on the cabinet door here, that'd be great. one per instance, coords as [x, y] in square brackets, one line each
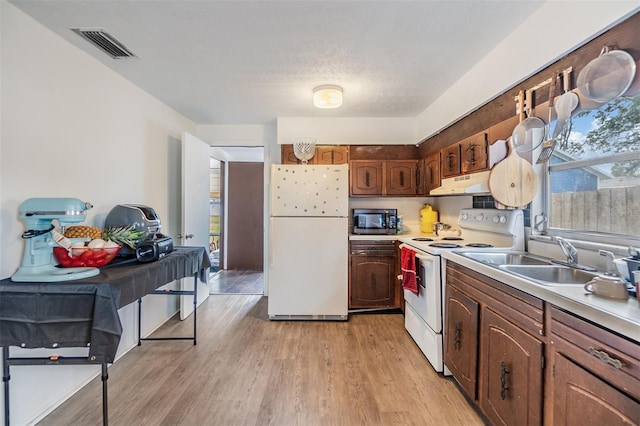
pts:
[461, 346]
[288, 157]
[372, 281]
[451, 161]
[331, 155]
[474, 153]
[431, 172]
[365, 177]
[581, 398]
[402, 177]
[511, 373]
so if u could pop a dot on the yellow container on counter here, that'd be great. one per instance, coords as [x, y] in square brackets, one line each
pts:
[428, 216]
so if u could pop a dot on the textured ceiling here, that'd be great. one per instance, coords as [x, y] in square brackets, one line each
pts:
[249, 62]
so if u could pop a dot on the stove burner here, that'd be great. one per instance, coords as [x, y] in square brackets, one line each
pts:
[452, 238]
[479, 245]
[422, 239]
[445, 245]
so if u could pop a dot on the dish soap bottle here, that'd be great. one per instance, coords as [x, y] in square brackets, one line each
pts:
[428, 216]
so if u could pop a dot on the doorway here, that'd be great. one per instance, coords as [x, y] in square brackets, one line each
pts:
[237, 220]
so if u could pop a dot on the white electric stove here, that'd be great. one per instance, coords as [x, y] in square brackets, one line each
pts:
[481, 230]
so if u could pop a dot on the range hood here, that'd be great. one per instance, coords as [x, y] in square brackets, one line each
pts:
[474, 183]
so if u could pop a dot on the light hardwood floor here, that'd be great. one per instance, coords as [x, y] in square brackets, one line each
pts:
[247, 370]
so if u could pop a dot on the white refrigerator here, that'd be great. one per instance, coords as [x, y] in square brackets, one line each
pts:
[308, 249]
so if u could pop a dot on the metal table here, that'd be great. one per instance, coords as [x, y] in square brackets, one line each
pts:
[84, 313]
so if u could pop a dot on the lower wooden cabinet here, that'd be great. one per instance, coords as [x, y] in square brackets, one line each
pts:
[494, 346]
[594, 377]
[582, 398]
[372, 275]
[527, 362]
[461, 343]
[511, 372]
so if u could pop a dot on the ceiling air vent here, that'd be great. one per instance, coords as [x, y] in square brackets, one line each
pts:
[105, 41]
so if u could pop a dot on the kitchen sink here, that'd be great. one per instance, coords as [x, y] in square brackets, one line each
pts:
[506, 258]
[550, 274]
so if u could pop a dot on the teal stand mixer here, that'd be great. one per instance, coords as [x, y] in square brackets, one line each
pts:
[38, 261]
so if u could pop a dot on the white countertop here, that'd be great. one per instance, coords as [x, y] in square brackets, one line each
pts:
[620, 316]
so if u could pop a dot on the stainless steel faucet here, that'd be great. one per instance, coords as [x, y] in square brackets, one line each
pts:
[611, 267]
[568, 249]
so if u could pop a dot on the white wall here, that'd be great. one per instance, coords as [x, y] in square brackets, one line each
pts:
[348, 131]
[236, 134]
[70, 127]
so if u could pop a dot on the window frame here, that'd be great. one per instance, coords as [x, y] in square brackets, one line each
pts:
[540, 223]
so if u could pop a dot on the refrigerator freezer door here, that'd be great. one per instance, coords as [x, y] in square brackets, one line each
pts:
[308, 190]
[308, 269]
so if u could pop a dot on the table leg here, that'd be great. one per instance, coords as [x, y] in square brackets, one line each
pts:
[195, 306]
[140, 321]
[105, 409]
[5, 378]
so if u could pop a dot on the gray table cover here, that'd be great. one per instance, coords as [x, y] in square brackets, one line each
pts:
[85, 312]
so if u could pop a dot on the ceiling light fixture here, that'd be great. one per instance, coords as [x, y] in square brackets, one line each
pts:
[327, 96]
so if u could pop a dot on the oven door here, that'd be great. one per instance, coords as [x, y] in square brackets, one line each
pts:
[427, 303]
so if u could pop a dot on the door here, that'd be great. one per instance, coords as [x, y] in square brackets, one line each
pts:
[195, 210]
[402, 177]
[366, 177]
[511, 372]
[461, 339]
[582, 398]
[245, 224]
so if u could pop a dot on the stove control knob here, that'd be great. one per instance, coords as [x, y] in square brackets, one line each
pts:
[496, 219]
[480, 217]
[503, 219]
[464, 217]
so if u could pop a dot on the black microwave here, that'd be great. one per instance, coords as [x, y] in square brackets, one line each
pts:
[375, 221]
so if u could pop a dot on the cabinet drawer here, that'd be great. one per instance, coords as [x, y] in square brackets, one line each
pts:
[522, 309]
[373, 248]
[611, 357]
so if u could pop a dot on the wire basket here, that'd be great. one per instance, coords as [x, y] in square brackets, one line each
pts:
[304, 149]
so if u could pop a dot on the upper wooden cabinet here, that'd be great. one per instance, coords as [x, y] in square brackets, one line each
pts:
[467, 156]
[325, 154]
[330, 154]
[365, 178]
[401, 177]
[381, 178]
[288, 157]
[473, 153]
[431, 178]
[451, 161]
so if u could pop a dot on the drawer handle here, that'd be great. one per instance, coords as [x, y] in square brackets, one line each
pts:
[604, 357]
[503, 380]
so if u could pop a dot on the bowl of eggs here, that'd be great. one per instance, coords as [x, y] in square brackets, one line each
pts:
[95, 253]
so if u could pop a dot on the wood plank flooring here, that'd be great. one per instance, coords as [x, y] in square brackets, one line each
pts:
[228, 281]
[247, 370]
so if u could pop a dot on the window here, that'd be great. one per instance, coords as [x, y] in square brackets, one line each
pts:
[594, 175]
